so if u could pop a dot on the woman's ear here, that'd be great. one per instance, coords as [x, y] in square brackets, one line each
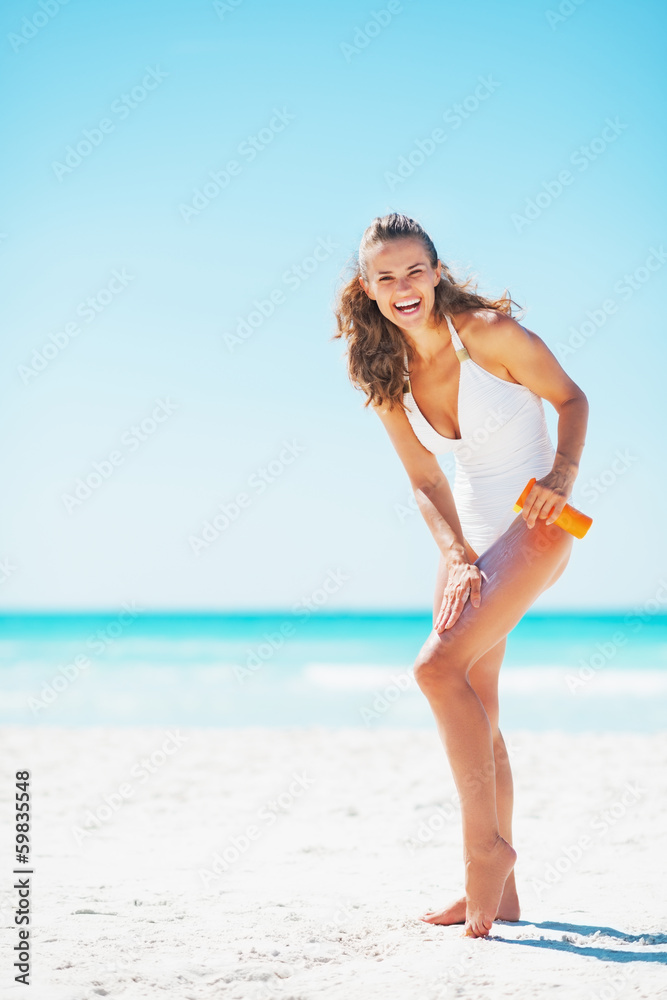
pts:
[365, 287]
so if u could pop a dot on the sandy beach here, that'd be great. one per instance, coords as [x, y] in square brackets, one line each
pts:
[256, 863]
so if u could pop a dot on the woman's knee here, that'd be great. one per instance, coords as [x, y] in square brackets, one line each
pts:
[435, 668]
[425, 670]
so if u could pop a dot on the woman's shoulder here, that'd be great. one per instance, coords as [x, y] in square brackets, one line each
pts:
[485, 328]
[487, 334]
[480, 321]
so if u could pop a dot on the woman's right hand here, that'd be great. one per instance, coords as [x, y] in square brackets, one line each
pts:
[464, 580]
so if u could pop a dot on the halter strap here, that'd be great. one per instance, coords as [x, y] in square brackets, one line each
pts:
[459, 350]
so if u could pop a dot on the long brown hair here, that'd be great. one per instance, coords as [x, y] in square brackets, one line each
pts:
[375, 345]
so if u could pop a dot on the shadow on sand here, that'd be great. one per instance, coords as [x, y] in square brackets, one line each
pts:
[605, 954]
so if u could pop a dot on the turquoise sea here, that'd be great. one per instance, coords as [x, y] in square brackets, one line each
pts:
[131, 667]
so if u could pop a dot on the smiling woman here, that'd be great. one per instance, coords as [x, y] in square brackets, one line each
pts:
[480, 378]
[376, 348]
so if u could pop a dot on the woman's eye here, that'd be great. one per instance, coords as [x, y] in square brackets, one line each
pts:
[388, 277]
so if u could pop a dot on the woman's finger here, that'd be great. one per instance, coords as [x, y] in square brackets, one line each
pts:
[546, 508]
[529, 503]
[526, 513]
[454, 601]
[557, 511]
[543, 503]
[444, 615]
[454, 617]
[449, 621]
[459, 605]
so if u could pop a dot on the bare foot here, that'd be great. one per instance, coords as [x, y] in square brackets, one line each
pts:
[486, 874]
[455, 913]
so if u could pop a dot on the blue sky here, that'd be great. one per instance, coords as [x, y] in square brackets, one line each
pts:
[168, 333]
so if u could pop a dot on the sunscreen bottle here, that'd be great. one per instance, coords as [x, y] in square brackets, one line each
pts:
[570, 519]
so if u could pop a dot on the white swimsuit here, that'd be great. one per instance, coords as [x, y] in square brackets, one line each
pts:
[504, 442]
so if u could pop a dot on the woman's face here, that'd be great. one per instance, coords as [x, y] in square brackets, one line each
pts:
[402, 282]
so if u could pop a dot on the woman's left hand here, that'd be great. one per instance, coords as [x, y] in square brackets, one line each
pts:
[549, 492]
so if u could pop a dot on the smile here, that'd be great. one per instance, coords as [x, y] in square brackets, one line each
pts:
[407, 307]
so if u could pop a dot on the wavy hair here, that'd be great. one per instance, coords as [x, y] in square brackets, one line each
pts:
[375, 345]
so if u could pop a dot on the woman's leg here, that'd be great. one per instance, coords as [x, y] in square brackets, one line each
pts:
[515, 570]
[483, 678]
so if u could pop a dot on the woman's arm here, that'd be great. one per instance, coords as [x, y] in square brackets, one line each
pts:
[436, 503]
[572, 424]
[438, 509]
[553, 489]
[429, 483]
[500, 341]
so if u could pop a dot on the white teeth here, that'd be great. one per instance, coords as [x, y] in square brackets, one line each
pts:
[408, 302]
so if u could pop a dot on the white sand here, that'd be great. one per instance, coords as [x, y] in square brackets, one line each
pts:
[324, 902]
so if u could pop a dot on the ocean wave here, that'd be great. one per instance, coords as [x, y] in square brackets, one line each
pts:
[566, 680]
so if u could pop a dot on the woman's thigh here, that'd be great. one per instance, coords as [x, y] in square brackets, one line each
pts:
[515, 570]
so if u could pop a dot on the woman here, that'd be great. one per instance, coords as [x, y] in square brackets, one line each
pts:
[446, 369]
